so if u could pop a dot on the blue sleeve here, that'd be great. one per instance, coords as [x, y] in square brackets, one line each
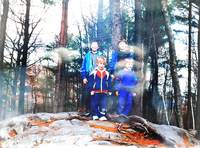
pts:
[117, 82]
[91, 82]
[113, 62]
[109, 83]
[83, 68]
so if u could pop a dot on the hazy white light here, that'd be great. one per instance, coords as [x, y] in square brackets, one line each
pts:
[66, 54]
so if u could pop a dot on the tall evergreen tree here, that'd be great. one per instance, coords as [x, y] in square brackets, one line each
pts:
[100, 23]
[25, 48]
[198, 82]
[138, 22]
[3, 22]
[61, 97]
[173, 62]
[115, 12]
[189, 63]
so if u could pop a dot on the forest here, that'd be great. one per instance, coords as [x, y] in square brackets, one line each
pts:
[166, 32]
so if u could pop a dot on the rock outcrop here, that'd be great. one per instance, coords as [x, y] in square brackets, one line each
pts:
[72, 130]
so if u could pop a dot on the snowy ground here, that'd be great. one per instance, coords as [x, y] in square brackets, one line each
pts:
[44, 130]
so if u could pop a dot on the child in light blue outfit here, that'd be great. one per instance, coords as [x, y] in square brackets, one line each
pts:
[126, 82]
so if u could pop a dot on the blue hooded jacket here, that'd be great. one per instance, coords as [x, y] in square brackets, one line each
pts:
[88, 65]
[118, 55]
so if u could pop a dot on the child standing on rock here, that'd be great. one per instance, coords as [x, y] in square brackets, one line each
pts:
[100, 87]
[126, 82]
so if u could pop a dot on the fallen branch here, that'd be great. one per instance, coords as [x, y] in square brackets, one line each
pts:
[170, 135]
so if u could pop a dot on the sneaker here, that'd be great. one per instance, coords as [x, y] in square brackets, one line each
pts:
[103, 118]
[95, 117]
[87, 114]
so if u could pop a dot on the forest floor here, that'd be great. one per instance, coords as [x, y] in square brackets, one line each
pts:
[72, 130]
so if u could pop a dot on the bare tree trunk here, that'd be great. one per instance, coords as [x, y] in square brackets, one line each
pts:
[85, 26]
[198, 83]
[64, 24]
[164, 97]
[173, 59]
[100, 25]
[3, 22]
[80, 40]
[24, 57]
[147, 101]
[189, 119]
[138, 42]
[15, 80]
[138, 23]
[116, 22]
[60, 82]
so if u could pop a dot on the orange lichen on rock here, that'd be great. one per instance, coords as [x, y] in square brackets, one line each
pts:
[108, 129]
[186, 141]
[110, 126]
[12, 133]
[128, 137]
[140, 139]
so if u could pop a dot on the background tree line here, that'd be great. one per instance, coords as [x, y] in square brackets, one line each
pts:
[156, 27]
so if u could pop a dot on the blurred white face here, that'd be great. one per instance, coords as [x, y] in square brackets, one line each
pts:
[123, 46]
[94, 46]
[128, 64]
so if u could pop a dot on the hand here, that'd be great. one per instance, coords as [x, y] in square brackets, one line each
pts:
[109, 93]
[116, 93]
[92, 93]
[85, 81]
[112, 76]
[134, 94]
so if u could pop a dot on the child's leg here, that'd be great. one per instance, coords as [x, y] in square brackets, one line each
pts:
[121, 102]
[103, 104]
[128, 106]
[94, 105]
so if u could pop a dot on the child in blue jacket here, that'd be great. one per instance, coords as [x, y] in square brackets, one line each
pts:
[100, 87]
[126, 82]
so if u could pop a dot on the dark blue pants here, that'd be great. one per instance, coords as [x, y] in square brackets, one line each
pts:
[124, 102]
[98, 104]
